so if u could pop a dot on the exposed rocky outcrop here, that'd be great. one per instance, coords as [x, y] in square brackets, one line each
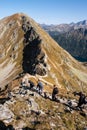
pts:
[33, 56]
[28, 110]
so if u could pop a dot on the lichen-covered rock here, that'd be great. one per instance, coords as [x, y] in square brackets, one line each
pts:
[6, 114]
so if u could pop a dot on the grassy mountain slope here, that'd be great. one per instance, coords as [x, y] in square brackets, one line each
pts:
[25, 47]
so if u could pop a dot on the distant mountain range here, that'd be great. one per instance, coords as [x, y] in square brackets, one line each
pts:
[72, 37]
[61, 28]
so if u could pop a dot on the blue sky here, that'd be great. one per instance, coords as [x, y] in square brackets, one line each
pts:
[47, 11]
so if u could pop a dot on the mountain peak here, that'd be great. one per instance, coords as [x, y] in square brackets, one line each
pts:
[84, 22]
[27, 52]
[26, 48]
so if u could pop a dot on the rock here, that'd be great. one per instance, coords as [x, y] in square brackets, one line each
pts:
[67, 109]
[3, 100]
[85, 128]
[6, 114]
[10, 127]
[20, 125]
[31, 94]
[62, 100]
[35, 106]
[35, 122]
[2, 126]
[84, 114]
[27, 128]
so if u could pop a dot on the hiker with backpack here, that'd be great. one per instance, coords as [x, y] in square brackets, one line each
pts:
[40, 87]
[82, 99]
[54, 93]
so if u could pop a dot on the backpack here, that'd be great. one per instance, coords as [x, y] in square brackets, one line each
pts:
[40, 85]
[55, 90]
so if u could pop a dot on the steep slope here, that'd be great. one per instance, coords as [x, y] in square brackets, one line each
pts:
[75, 42]
[72, 37]
[25, 47]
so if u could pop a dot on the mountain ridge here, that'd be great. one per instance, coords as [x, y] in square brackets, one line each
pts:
[28, 53]
[61, 28]
[72, 37]
[30, 49]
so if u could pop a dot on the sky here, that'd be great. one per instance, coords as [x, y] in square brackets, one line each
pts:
[47, 11]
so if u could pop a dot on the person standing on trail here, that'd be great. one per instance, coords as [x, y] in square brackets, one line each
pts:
[82, 99]
[54, 93]
[40, 87]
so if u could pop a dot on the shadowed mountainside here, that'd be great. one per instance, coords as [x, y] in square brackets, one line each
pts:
[75, 42]
[72, 37]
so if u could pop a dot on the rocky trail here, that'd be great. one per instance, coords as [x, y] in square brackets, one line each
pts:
[25, 109]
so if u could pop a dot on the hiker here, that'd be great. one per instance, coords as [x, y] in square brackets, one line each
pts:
[40, 87]
[31, 84]
[54, 93]
[82, 99]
